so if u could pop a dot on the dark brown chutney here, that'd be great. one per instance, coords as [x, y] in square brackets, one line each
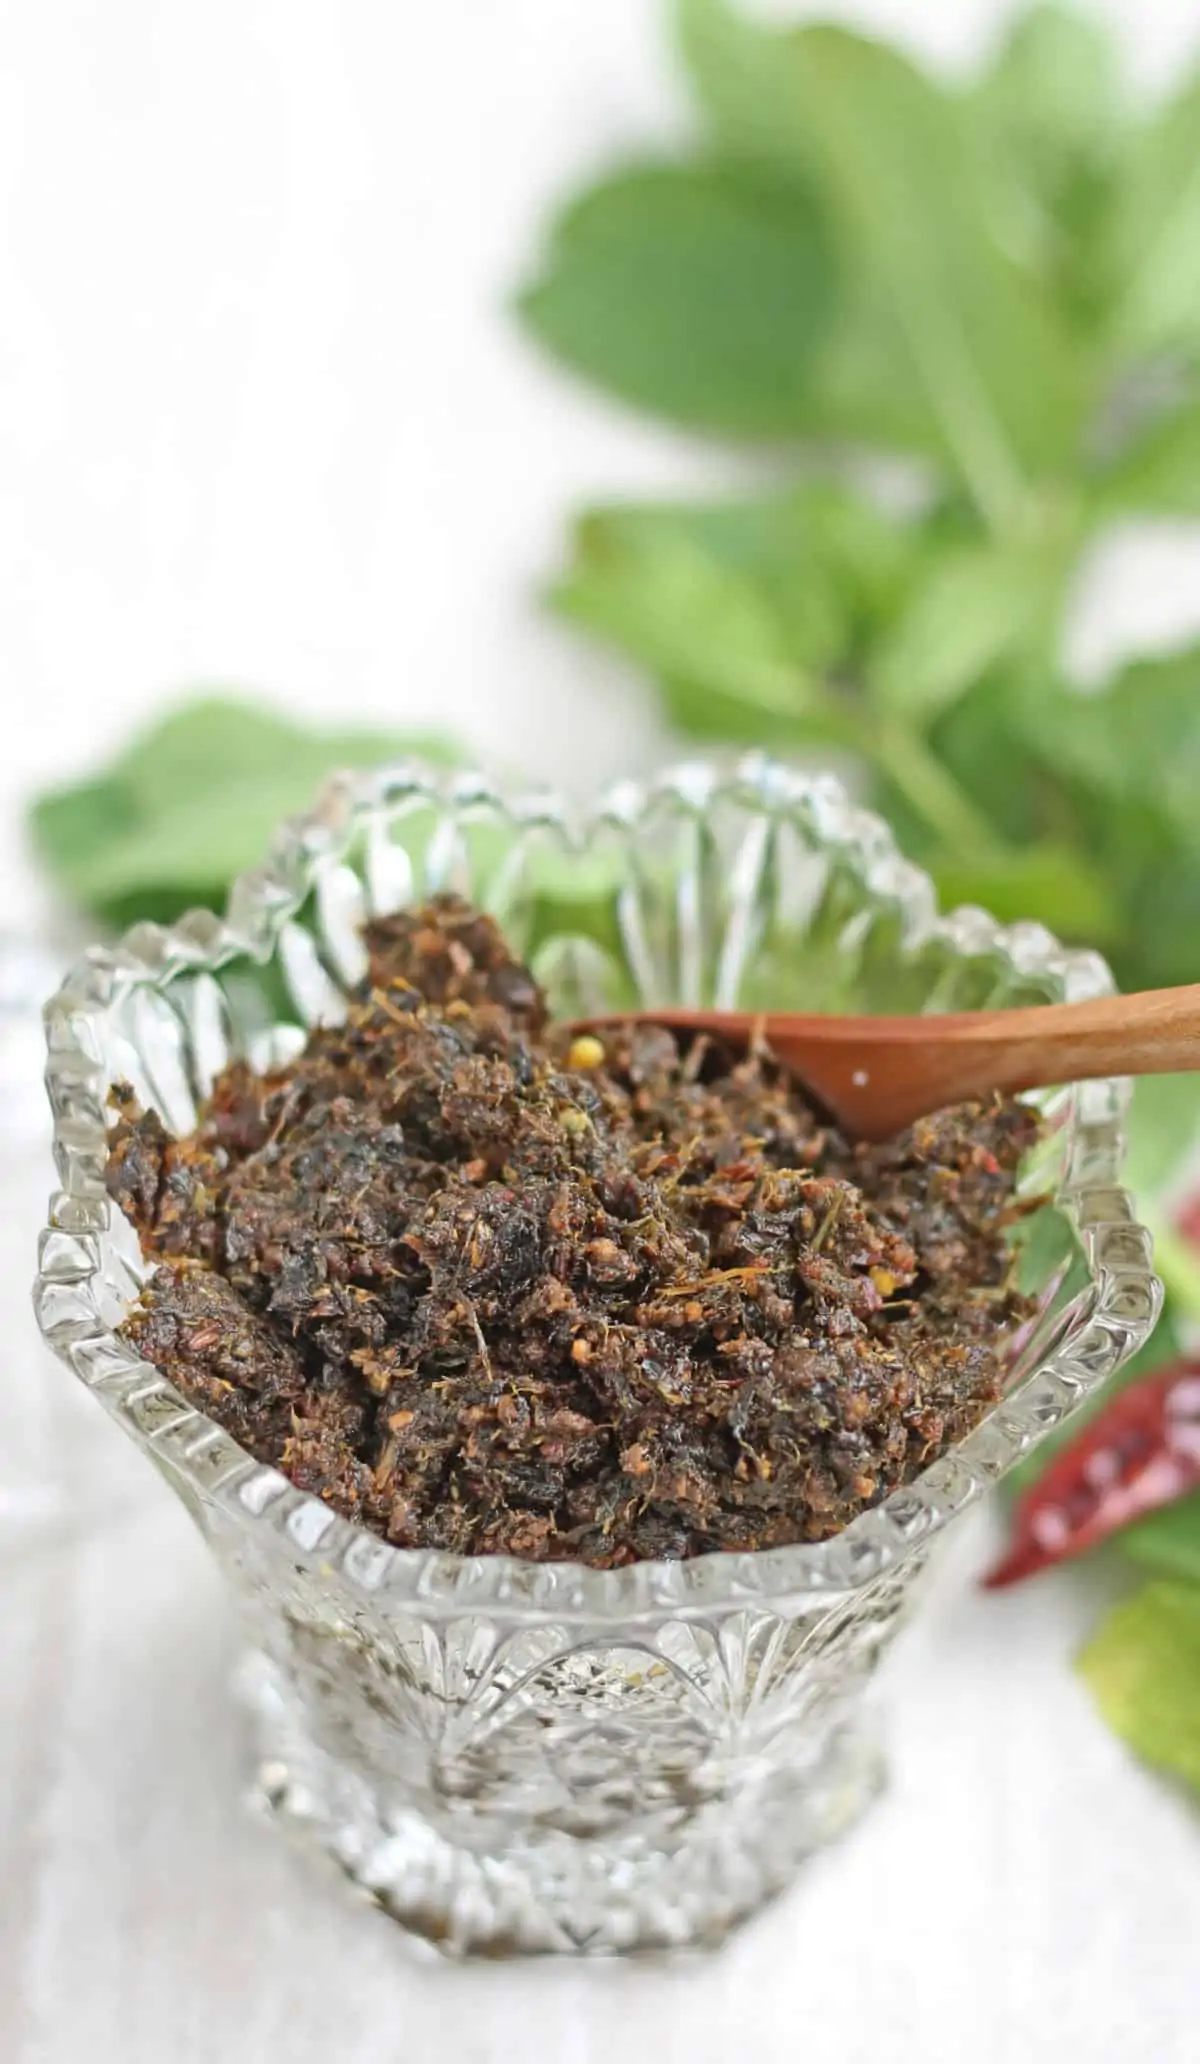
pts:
[486, 1286]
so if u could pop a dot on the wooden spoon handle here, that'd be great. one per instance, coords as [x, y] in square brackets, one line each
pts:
[1154, 1033]
[884, 1073]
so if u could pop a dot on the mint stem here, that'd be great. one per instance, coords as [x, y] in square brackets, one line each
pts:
[925, 783]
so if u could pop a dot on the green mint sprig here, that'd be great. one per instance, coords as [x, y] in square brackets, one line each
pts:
[997, 284]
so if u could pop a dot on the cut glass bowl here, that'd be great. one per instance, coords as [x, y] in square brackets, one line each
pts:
[524, 1756]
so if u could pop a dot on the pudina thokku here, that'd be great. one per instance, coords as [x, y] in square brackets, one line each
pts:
[488, 1286]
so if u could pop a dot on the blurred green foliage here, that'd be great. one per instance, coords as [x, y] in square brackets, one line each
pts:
[1002, 289]
[195, 800]
[996, 283]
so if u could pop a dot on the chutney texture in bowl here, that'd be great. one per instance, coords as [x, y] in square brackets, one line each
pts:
[489, 1286]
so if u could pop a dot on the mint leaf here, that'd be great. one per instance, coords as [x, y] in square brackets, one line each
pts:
[1122, 770]
[856, 394]
[652, 585]
[984, 740]
[849, 389]
[747, 600]
[1064, 886]
[1163, 1131]
[1049, 121]
[1168, 1541]
[1053, 95]
[1138, 740]
[967, 334]
[742, 608]
[1159, 472]
[749, 98]
[694, 290]
[973, 605]
[192, 802]
[71, 825]
[739, 69]
[1155, 233]
[207, 739]
[892, 148]
[1143, 1668]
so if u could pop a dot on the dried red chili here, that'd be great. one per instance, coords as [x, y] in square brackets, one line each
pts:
[1187, 1220]
[1141, 1452]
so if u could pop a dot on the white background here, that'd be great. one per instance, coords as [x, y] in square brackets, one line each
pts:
[264, 422]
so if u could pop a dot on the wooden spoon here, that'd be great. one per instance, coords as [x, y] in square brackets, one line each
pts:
[875, 1075]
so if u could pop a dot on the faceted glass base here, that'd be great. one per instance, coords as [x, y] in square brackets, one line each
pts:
[537, 1891]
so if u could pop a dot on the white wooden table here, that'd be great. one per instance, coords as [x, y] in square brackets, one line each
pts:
[261, 420]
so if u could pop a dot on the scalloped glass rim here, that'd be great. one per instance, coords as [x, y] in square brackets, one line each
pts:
[77, 1308]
